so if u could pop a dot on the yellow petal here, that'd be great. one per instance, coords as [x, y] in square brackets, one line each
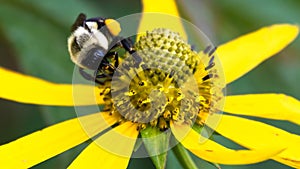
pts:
[96, 155]
[216, 153]
[27, 89]
[44, 144]
[160, 14]
[257, 135]
[287, 161]
[272, 106]
[246, 52]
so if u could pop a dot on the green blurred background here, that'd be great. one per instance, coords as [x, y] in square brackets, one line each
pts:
[33, 37]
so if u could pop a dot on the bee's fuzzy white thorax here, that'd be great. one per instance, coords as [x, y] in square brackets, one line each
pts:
[85, 38]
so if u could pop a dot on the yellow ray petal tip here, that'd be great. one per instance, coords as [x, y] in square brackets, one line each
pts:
[291, 31]
[247, 51]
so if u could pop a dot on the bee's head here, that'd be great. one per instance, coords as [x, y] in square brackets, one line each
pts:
[90, 40]
[112, 26]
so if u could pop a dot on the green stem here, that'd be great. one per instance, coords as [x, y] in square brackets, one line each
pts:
[184, 157]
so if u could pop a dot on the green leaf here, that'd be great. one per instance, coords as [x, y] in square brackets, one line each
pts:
[157, 145]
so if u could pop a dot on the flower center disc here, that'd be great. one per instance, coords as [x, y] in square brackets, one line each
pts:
[162, 88]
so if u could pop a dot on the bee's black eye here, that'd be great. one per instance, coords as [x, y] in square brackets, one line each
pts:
[93, 58]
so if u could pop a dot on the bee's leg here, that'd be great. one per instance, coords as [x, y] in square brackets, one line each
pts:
[88, 76]
[101, 76]
[128, 46]
[116, 58]
[107, 69]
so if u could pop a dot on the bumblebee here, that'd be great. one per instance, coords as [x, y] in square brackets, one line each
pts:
[91, 46]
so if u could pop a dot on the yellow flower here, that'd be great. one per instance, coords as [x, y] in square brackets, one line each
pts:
[237, 58]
